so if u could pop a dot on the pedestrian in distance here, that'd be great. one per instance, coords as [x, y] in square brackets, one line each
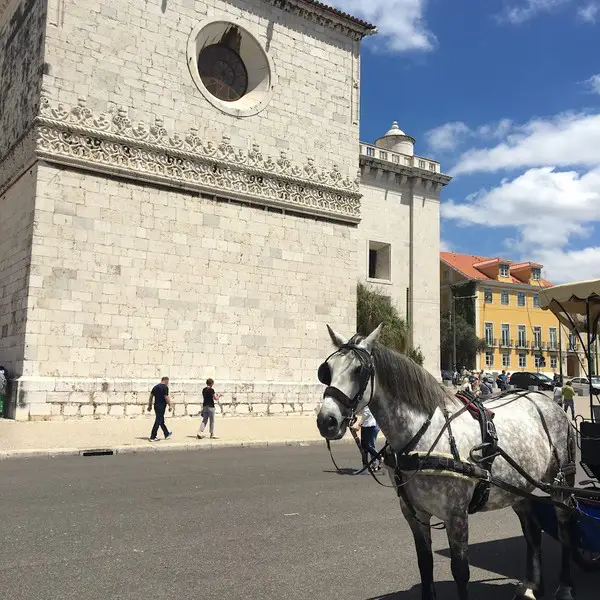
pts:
[208, 410]
[161, 399]
[368, 436]
[557, 394]
[568, 394]
[3, 389]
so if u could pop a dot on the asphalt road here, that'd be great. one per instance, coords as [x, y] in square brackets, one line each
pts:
[252, 524]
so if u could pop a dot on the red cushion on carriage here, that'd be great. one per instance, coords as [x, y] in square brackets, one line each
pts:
[471, 403]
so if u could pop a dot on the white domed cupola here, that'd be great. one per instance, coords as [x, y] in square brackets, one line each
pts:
[395, 140]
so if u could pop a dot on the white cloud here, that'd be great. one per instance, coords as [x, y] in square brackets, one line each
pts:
[589, 13]
[563, 141]
[549, 209]
[446, 246]
[400, 23]
[594, 84]
[450, 136]
[528, 9]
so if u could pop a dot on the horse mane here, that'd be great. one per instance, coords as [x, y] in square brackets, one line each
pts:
[401, 377]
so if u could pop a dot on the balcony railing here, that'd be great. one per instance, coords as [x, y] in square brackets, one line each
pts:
[537, 345]
[491, 342]
[522, 344]
[552, 346]
[506, 343]
[396, 158]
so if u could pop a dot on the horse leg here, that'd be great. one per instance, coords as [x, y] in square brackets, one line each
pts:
[419, 525]
[565, 586]
[457, 528]
[532, 588]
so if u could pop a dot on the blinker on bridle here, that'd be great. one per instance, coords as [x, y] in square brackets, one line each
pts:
[366, 374]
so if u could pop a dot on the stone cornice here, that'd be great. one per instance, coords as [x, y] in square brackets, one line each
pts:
[111, 143]
[404, 173]
[320, 14]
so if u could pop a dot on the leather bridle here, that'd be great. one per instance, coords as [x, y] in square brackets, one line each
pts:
[366, 376]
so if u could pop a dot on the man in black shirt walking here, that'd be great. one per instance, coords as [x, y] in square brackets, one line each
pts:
[208, 409]
[160, 395]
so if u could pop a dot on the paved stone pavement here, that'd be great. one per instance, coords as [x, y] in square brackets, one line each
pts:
[243, 523]
[131, 435]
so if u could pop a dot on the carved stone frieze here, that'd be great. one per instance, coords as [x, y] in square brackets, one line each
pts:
[112, 143]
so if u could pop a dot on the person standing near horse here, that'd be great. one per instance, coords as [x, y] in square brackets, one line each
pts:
[208, 409]
[568, 394]
[3, 388]
[161, 398]
[368, 436]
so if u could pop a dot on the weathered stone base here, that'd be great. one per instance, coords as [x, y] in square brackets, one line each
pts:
[49, 398]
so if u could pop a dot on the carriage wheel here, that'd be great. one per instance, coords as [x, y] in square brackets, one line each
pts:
[587, 560]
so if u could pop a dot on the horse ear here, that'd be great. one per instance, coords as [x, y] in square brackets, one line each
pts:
[372, 338]
[336, 338]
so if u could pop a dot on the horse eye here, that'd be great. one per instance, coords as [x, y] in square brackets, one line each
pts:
[357, 370]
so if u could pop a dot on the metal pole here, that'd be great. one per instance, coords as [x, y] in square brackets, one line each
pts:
[560, 358]
[589, 356]
[454, 334]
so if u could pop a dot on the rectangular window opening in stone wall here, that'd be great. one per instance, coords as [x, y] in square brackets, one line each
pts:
[380, 261]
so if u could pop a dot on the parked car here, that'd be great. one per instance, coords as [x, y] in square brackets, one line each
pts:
[579, 383]
[524, 379]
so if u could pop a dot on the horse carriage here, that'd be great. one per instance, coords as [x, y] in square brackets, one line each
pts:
[449, 455]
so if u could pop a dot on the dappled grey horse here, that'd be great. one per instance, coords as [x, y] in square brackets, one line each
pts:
[412, 409]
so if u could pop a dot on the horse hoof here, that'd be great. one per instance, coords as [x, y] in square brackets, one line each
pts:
[564, 592]
[524, 592]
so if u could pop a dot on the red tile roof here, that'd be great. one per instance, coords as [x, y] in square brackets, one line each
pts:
[465, 264]
[341, 13]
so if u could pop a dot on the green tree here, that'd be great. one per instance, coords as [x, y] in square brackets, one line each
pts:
[373, 308]
[467, 342]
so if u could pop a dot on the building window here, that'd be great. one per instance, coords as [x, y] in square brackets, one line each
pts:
[421, 164]
[503, 270]
[395, 158]
[489, 334]
[536, 274]
[522, 360]
[537, 361]
[506, 359]
[383, 155]
[537, 337]
[407, 161]
[380, 261]
[520, 298]
[370, 151]
[521, 336]
[552, 339]
[554, 362]
[504, 297]
[536, 301]
[432, 167]
[572, 342]
[487, 295]
[505, 334]
[446, 274]
[489, 359]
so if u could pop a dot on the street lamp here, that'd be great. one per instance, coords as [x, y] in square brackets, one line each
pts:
[454, 299]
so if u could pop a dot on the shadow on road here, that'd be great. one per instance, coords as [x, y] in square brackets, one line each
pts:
[447, 590]
[505, 558]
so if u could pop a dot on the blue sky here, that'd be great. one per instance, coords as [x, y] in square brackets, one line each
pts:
[506, 95]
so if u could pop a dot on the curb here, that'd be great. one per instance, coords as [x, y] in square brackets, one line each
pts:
[154, 447]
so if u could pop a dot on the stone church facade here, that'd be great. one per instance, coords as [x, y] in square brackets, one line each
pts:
[182, 193]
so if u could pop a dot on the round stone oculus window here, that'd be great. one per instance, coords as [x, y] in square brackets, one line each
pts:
[223, 72]
[230, 67]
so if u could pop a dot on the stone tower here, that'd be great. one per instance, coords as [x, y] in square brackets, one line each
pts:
[179, 195]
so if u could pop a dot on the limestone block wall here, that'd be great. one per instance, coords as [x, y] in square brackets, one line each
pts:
[134, 54]
[130, 282]
[16, 225]
[22, 27]
[385, 211]
[426, 275]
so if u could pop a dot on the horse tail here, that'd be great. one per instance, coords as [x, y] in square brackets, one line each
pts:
[571, 456]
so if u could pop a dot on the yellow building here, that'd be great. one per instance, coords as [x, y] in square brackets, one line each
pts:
[519, 335]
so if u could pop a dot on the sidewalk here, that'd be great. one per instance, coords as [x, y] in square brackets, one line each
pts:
[54, 438]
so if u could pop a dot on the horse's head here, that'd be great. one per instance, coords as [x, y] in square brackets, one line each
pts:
[349, 376]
